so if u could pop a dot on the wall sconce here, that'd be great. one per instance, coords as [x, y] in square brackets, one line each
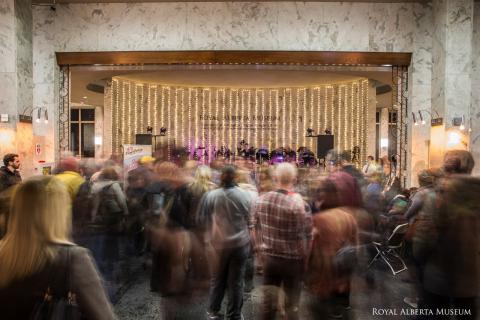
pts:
[422, 121]
[26, 116]
[414, 119]
[462, 125]
[98, 141]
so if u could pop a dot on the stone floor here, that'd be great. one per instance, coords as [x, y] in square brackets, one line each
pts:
[388, 291]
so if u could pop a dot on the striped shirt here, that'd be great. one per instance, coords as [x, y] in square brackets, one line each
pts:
[283, 222]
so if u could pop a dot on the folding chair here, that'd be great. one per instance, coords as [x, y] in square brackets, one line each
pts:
[388, 249]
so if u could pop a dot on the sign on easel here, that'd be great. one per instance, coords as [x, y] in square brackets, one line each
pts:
[132, 153]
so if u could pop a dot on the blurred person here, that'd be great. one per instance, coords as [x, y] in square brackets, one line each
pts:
[244, 182]
[285, 231]
[333, 257]
[373, 197]
[227, 210]
[185, 210]
[36, 255]
[341, 161]
[9, 177]
[168, 240]
[106, 226]
[265, 181]
[137, 182]
[446, 241]
[426, 180]
[69, 174]
[371, 167]
[9, 174]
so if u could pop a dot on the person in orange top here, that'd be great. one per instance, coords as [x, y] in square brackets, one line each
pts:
[333, 254]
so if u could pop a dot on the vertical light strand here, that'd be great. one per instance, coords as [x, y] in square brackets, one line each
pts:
[230, 124]
[116, 117]
[155, 110]
[284, 113]
[236, 112]
[277, 114]
[261, 118]
[217, 116]
[357, 115]
[141, 109]
[304, 116]
[189, 132]
[169, 118]
[251, 123]
[366, 123]
[362, 127]
[318, 109]
[352, 101]
[129, 113]
[124, 113]
[224, 121]
[175, 116]
[149, 106]
[243, 113]
[182, 117]
[325, 107]
[206, 128]
[332, 109]
[339, 117]
[135, 109]
[197, 118]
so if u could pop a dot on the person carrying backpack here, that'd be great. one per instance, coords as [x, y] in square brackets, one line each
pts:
[107, 220]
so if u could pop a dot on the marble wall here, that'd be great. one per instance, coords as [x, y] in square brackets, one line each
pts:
[340, 26]
[16, 78]
[475, 109]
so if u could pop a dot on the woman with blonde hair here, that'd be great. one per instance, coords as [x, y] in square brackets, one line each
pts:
[36, 255]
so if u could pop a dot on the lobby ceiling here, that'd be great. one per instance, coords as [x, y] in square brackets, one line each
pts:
[81, 77]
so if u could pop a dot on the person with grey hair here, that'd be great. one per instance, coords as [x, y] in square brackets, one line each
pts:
[226, 210]
[284, 223]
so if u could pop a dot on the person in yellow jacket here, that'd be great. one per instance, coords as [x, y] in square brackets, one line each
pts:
[70, 176]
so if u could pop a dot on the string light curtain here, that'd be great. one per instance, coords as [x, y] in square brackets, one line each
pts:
[211, 117]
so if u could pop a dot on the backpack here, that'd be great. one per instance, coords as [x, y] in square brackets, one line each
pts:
[109, 212]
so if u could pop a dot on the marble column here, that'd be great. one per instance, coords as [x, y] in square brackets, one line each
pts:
[16, 80]
[452, 71]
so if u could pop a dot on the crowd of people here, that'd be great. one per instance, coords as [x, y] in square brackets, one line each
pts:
[67, 238]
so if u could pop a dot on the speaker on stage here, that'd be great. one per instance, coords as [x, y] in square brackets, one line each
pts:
[324, 144]
[143, 138]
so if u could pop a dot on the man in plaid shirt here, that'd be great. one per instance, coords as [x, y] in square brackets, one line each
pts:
[283, 226]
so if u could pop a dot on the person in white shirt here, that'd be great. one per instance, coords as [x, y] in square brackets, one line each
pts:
[371, 166]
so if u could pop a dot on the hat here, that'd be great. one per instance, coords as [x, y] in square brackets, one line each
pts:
[146, 160]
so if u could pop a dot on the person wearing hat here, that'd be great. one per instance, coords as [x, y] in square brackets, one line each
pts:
[70, 176]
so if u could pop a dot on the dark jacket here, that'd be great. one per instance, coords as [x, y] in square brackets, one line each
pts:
[8, 178]
[446, 241]
[19, 298]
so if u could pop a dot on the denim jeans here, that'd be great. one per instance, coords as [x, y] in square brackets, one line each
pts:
[229, 274]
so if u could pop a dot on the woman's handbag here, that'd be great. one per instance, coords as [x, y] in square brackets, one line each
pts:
[54, 306]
